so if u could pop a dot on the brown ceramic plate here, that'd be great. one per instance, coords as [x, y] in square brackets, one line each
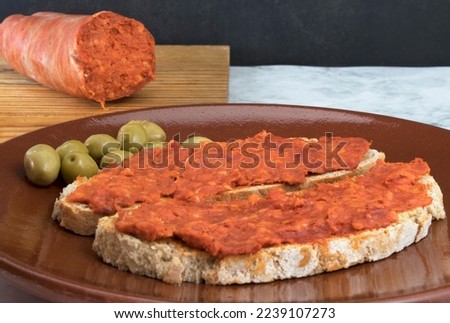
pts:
[45, 260]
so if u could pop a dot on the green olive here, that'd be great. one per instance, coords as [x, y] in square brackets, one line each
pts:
[70, 146]
[114, 158]
[100, 144]
[154, 132]
[77, 164]
[42, 164]
[132, 137]
[194, 141]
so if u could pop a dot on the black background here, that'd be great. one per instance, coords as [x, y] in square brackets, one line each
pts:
[302, 32]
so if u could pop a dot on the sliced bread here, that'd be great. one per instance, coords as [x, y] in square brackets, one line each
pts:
[171, 261]
[80, 219]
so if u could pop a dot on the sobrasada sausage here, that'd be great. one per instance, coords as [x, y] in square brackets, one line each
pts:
[101, 57]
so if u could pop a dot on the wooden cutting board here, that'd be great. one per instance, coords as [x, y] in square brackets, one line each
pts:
[185, 75]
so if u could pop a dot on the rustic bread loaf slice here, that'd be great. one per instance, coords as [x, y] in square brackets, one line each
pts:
[173, 262]
[80, 219]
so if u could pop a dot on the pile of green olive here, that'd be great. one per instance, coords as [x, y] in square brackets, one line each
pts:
[43, 163]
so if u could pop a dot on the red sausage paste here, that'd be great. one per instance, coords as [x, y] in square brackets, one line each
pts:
[264, 159]
[215, 168]
[242, 227]
[119, 187]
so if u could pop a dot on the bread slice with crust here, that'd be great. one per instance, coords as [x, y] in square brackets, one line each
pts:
[173, 262]
[80, 219]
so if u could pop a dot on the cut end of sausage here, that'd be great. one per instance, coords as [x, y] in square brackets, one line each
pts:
[101, 57]
[116, 56]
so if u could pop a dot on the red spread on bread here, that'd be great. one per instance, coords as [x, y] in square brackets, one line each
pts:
[328, 210]
[217, 167]
[265, 159]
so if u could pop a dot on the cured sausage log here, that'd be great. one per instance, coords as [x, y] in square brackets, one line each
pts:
[101, 57]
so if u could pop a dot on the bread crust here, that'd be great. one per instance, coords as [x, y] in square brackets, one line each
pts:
[172, 262]
[80, 219]
[76, 217]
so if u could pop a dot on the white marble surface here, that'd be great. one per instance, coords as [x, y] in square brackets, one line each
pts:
[418, 94]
